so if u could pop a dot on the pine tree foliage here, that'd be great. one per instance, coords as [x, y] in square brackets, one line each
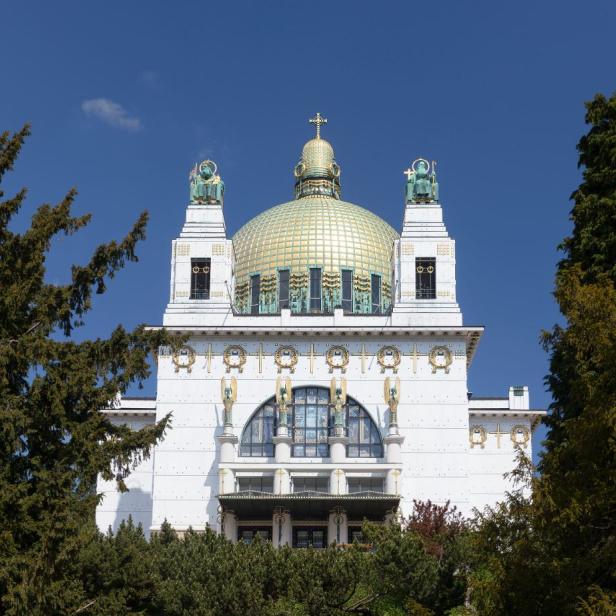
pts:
[577, 493]
[556, 553]
[53, 440]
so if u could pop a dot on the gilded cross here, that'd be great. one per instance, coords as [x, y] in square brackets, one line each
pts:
[498, 435]
[318, 120]
[408, 172]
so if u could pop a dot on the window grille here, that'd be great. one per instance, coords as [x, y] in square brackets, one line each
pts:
[425, 278]
[306, 537]
[365, 484]
[247, 534]
[315, 289]
[255, 291]
[256, 484]
[347, 290]
[258, 435]
[311, 484]
[283, 289]
[310, 421]
[200, 278]
[375, 288]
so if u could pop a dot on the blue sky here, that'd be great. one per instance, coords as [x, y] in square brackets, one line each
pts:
[124, 97]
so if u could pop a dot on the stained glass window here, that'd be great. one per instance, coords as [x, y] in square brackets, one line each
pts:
[310, 421]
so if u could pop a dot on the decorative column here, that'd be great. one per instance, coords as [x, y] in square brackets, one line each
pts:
[337, 482]
[282, 481]
[393, 441]
[281, 527]
[227, 521]
[282, 440]
[338, 441]
[337, 526]
[228, 440]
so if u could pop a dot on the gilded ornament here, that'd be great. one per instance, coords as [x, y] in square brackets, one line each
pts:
[391, 395]
[440, 358]
[284, 394]
[338, 398]
[337, 357]
[388, 358]
[286, 357]
[228, 395]
[184, 358]
[234, 356]
[520, 435]
[477, 436]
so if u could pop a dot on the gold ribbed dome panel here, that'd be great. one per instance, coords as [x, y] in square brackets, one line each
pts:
[315, 231]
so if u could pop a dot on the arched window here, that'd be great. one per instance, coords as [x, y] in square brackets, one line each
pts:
[310, 422]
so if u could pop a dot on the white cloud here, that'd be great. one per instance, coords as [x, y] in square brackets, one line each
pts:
[111, 113]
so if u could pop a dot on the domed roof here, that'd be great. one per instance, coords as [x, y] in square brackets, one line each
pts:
[314, 231]
[317, 230]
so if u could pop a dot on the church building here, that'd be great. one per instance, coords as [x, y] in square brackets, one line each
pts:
[325, 378]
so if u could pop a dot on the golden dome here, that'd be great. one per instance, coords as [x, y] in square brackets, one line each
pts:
[315, 231]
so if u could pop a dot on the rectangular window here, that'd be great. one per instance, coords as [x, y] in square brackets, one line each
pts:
[200, 278]
[355, 534]
[307, 537]
[311, 484]
[283, 289]
[425, 278]
[375, 288]
[366, 484]
[247, 534]
[256, 484]
[315, 289]
[255, 291]
[347, 290]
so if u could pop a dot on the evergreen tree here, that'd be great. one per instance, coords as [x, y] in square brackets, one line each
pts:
[577, 492]
[53, 439]
[555, 552]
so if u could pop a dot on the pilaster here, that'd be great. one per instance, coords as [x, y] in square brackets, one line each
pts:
[337, 526]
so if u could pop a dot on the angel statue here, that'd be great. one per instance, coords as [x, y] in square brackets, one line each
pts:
[391, 393]
[206, 186]
[421, 185]
[228, 394]
[283, 397]
[338, 397]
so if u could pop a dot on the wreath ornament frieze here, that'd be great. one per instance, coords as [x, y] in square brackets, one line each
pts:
[440, 358]
[388, 358]
[234, 356]
[477, 436]
[184, 357]
[337, 357]
[520, 435]
[286, 357]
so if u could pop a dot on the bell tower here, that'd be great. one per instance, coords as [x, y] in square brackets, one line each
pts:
[424, 256]
[202, 256]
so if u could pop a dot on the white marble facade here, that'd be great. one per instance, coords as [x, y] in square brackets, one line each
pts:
[447, 446]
